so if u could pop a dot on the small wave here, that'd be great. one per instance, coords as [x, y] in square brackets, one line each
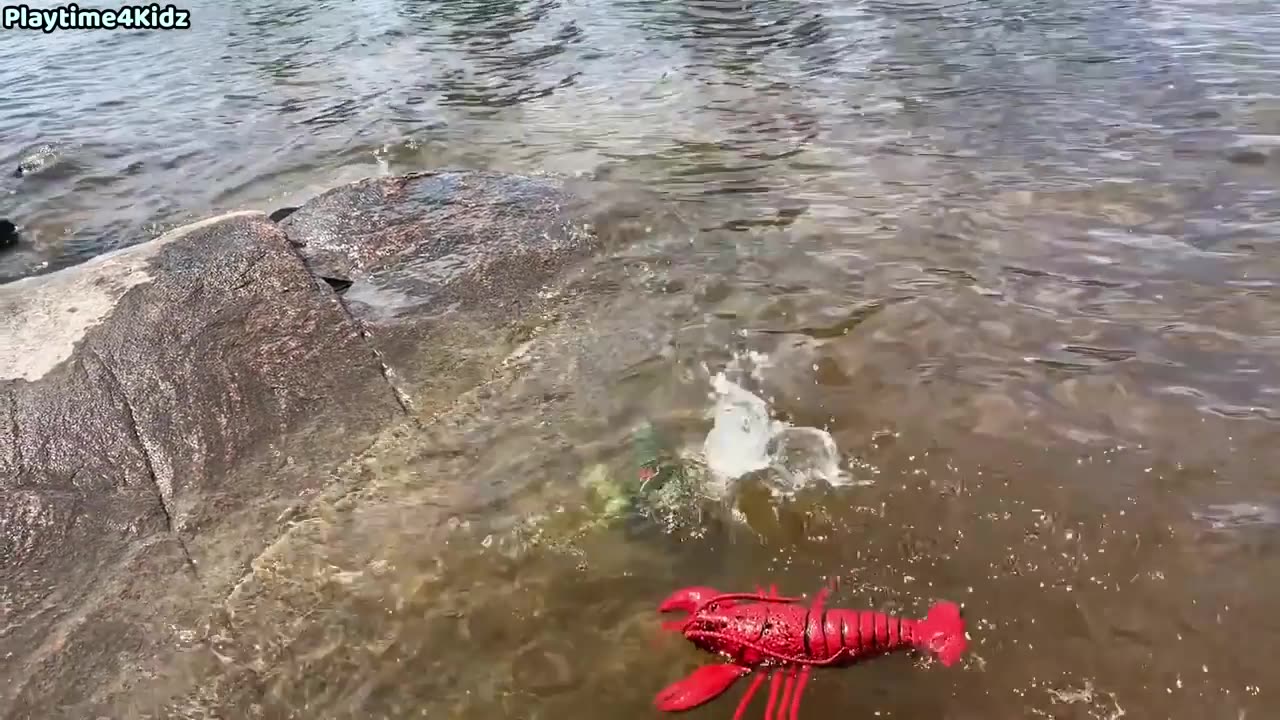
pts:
[1230, 516]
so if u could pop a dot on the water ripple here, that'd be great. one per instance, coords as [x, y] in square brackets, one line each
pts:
[1032, 221]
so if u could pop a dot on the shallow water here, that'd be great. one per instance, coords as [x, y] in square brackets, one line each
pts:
[1016, 258]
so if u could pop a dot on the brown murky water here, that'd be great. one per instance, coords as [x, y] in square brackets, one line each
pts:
[1111, 543]
[1018, 259]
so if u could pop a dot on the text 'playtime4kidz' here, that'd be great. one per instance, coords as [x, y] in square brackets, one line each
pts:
[73, 17]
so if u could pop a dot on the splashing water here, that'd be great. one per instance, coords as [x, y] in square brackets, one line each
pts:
[738, 442]
[746, 438]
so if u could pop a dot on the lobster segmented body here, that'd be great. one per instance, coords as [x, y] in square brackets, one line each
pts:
[765, 631]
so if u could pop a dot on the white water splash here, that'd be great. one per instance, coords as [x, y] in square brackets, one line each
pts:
[738, 442]
[746, 438]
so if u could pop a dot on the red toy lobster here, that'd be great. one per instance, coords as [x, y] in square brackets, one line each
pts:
[772, 632]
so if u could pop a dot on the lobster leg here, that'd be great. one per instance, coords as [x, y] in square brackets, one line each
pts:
[774, 684]
[746, 697]
[789, 675]
[795, 699]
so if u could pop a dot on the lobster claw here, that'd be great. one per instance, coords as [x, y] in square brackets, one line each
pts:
[704, 684]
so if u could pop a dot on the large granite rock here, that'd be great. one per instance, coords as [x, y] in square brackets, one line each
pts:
[162, 398]
[148, 395]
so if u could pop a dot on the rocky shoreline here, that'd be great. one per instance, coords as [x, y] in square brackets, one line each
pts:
[162, 398]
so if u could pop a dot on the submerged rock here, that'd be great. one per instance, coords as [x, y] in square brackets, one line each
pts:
[161, 406]
[659, 485]
[407, 251]
[42, 157]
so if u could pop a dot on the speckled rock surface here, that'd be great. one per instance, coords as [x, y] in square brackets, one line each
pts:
[136, 389]
[164, 408]
[410, 254]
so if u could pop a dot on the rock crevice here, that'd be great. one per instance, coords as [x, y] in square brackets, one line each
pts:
[163, 487]
[14, 432]
[401, 397]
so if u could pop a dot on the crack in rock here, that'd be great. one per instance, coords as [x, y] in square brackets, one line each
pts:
[388, 373]
[148, 459]
[17, 438]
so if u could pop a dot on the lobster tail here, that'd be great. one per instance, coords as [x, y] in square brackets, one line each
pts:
[942, 633]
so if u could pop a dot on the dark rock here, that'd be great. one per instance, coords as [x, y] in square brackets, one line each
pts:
[339, 285]
[151, 398]
[1246, 156]
[8, 234]
[281, 214]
